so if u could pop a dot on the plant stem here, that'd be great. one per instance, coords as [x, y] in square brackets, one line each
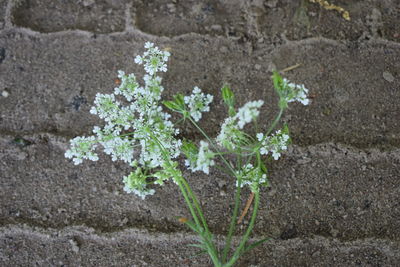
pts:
[232, 225]
[214, 146]
[183, 186]
[273, 125]
[238, 251]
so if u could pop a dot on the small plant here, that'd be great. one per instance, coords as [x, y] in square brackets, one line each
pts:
[135, 121]
[325, 4]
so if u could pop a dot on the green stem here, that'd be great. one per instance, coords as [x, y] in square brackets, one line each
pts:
[232, 225]
[197, 206]
[273, 125]
[210, 245]
[187, 195]
[214, 146]
[238, 251]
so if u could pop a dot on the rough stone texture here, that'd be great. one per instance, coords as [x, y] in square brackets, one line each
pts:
[54, 16]
[81, 246]
[334, 197]
[3, 8]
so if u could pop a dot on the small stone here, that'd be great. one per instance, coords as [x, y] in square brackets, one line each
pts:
[303, 161]
[88, 2]
[271, 3]
[74, 245]
[257, 67]
[216, 27]
[5, 94]
[363, 167]
[223, 49]
[171, 7]
[388, 76]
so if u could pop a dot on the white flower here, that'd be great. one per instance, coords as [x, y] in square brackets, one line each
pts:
[106, 107]
[248, 112]
[231, 135]
[295, 92]
[141, 123]
[252, 177]
[136, 182]
[138, 60]
[198, 103]
[154, 59]
[148, 45]
[274, 144]
[204, 159]
[127, 87]
[119, 149]
[82, 148]
[228, 134]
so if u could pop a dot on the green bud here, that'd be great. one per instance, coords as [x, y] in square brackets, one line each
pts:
[229, 99]
[278, 81]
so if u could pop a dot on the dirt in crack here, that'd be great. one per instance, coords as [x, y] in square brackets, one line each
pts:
[53, 16]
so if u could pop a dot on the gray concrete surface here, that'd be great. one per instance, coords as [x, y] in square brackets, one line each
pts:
[334, 198]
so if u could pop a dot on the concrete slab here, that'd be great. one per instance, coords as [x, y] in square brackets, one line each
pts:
[54, 16]
[58, 78]
[334, 197]
[326, 190]
[80, 246]
[3, 8]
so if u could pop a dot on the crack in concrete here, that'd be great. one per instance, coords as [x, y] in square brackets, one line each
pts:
[146, 234]
[129, 29]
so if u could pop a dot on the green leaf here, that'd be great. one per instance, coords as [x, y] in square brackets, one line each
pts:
[255, 244]
[278, 81]
[177, 105]
[229, 99]
[171, 105]
[227, 94]
[194, 227]
[190, 150]
[178, 98]
[263, 167]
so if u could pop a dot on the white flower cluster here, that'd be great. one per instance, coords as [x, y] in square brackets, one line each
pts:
[128, 85]
[119, 148]
[274, 144]
[231, 134]
[136, 183]
[82, 148]
[252, 177]
[296, 92]
[141, 123]
[248, 112]
[154, 60]
[203, 161]
[198, 102]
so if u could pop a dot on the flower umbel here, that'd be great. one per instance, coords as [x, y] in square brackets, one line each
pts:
[154, 59]
[252, 177]
[204, 159]
[231, 135]
[136, 183]
[198, 103]
[274, 144]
